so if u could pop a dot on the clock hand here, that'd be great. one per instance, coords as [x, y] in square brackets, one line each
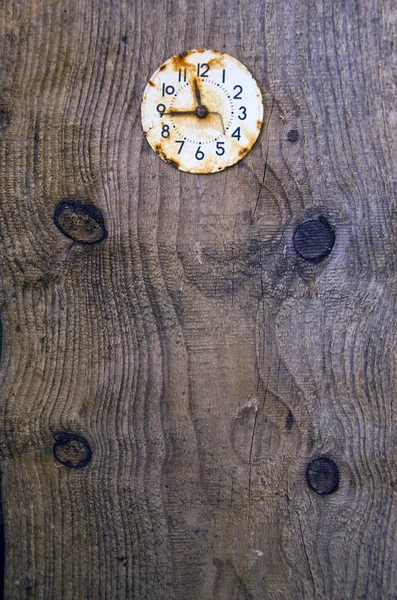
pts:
[197, 93]
[201, 112]
[220, 116]
[175, 113]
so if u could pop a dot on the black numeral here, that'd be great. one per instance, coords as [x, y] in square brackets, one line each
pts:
[199, 154]
[237, 133]
[220, 148]
[168, 89]
[182, 75]
[238, 94]
[244, 113]
[223, 75]
[161, 109]
[181, 142]
[165, 132]
[202, 70]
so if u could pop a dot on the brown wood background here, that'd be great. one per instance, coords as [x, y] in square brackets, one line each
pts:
[201, 358]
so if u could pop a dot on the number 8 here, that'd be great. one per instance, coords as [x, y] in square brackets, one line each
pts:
[165, 132]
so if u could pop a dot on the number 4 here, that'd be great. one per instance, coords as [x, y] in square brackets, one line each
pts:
[237, 133]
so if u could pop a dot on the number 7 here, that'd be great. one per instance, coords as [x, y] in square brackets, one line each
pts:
[181, 142]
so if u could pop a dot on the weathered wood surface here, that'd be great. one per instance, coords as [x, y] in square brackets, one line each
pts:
[202, 359]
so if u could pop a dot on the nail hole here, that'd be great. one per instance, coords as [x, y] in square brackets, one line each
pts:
[71, 450]
[322, 475]
[314, 240]
[293, 135]
[80, 221]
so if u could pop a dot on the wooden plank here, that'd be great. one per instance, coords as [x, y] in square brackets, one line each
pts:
[203, 360]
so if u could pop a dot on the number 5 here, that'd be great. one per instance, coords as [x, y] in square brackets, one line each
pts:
[220, 150]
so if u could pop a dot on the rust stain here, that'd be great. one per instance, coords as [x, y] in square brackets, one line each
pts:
[151, 83]
[243, 151]
[160, 152]
[216, 62]
[164, 66]
[259, 124]
[180, 61]
[171, 162]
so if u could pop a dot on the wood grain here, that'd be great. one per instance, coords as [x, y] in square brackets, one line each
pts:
[202, 359]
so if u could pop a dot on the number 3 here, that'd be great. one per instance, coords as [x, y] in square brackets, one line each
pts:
[244, 115]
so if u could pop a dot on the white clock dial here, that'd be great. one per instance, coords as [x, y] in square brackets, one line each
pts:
[202, 111]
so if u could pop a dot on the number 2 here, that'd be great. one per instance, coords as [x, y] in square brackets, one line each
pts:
[238, 94]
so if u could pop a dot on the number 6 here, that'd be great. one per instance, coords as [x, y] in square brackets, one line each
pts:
[199, 154]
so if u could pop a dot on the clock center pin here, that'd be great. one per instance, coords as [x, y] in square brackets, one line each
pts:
[201, 111]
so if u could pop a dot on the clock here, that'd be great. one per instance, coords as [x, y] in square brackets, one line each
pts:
[202, 111]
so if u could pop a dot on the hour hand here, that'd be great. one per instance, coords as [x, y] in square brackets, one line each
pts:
[197, 92]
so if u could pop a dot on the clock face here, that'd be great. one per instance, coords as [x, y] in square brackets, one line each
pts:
[202, 111]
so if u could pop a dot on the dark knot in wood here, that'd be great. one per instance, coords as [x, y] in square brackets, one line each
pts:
[314, 240]
[292, 135]
[322, 475]
[71, 450]
[80, 221]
